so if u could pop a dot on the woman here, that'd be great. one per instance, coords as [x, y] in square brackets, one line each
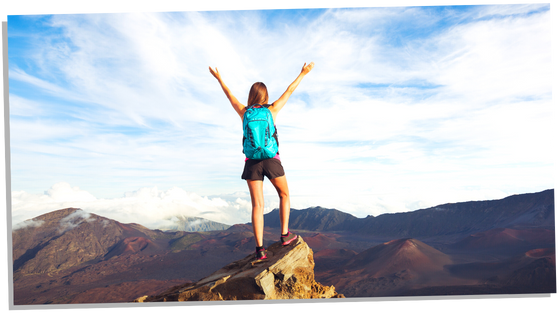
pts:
[255, 170]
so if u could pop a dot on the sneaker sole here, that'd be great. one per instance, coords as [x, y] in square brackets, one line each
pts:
[288, 242]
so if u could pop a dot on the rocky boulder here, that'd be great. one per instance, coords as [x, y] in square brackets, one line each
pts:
[287, 273]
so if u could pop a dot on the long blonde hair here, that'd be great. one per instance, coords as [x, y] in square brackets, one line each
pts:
[258, 94]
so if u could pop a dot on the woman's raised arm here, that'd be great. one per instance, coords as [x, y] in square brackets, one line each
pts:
[277, 106]
[239, 108]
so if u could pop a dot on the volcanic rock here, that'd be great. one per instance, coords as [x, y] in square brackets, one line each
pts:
[287, 273]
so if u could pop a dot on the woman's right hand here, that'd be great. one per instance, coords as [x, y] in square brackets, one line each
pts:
[307, 67]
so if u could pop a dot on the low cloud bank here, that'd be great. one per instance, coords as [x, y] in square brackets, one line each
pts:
[160, 209]
[150, 207]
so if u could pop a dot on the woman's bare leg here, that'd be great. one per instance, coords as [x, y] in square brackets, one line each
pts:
[281, 185]
[257, 201]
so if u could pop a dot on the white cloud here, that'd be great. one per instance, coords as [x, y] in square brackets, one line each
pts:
[63, 192]
[388, 118]
[147, 206]
[27, 223]
[26, 206]
[20, 75]
[492, 60]
[20, 106]
[73, 220]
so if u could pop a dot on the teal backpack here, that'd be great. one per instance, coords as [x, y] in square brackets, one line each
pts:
[260, 141]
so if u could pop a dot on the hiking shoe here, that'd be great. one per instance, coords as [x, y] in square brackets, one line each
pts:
[260, 254]
[288, 238]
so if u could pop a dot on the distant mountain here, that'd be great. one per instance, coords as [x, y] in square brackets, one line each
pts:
[534, 210]
[387, 268]
[396, 255]
[194, 224]
[72, 256]
[65, 238]
[314, 219]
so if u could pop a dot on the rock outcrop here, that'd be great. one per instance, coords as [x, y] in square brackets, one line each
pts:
[287, 273]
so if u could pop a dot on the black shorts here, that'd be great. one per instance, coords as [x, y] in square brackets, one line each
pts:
[258, 169]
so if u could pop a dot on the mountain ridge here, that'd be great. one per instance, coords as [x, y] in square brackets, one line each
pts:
[463, 218]
[71, 256]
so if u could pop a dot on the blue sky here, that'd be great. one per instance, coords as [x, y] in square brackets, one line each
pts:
[406, 108]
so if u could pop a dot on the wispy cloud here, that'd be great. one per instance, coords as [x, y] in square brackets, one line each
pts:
[27, 224]
[73, 220]
[406, 107]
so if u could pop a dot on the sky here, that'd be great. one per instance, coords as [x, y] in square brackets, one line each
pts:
[406, 108]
